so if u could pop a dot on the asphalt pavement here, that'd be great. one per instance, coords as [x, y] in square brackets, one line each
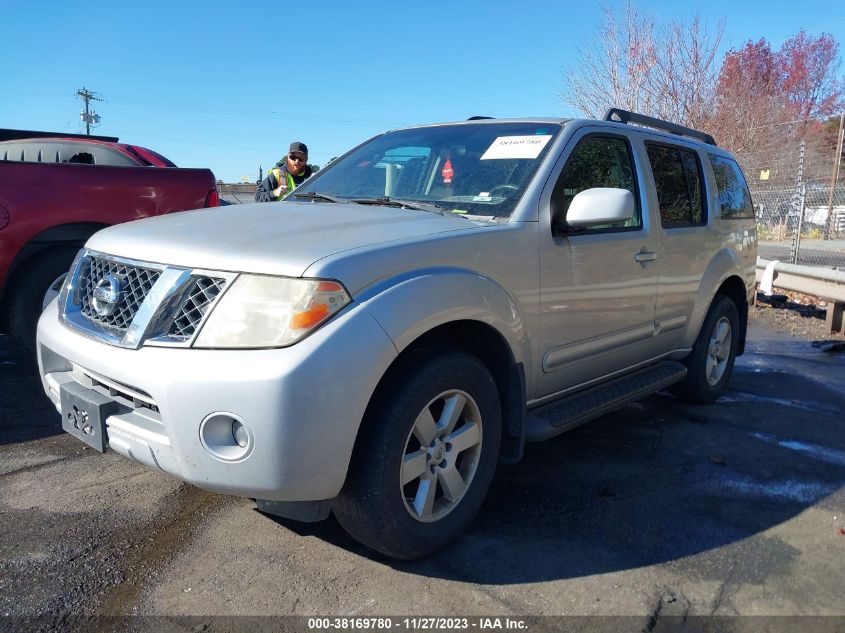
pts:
[824, 253]
[659, 510]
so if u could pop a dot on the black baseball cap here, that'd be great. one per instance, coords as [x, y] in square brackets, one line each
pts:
[301, 148]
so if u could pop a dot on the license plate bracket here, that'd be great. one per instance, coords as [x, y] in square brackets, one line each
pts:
[84, 414]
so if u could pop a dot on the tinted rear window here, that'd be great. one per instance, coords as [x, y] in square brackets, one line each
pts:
[677, 178]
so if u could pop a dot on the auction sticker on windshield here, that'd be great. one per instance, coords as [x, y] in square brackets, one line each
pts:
[516, 147]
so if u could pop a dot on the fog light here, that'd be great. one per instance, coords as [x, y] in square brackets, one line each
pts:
[240, 434]
[226, 436]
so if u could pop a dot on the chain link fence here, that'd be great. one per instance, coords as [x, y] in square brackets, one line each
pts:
[799, 195]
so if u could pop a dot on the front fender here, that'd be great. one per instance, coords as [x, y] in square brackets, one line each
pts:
[416, 302]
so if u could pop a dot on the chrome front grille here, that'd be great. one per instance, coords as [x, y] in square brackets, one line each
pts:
[199, 298]
[131, 303]
[135, 282]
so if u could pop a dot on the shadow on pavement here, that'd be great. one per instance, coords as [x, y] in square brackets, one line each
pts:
[25, 412]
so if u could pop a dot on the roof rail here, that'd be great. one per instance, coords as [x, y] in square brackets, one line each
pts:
[478, 117]
[623, 116]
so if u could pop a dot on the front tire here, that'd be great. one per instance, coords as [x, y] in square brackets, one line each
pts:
[425, 456]
[711, 362]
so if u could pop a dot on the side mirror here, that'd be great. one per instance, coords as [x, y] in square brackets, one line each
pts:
[601, 205]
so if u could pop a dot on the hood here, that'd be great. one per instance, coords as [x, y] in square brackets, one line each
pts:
[270, 238]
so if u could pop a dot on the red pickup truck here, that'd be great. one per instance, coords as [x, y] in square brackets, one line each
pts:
[48, 209]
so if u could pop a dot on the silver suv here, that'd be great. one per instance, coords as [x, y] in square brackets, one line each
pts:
[411, 315]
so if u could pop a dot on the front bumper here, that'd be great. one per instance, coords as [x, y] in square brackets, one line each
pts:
[302, 404]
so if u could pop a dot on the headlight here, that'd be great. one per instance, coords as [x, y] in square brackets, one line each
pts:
[260, 311]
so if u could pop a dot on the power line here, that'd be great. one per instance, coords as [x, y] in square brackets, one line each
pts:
[192, 142]
[822, 117]
[242, 112]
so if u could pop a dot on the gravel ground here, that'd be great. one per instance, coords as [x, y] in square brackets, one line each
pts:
[800, 316]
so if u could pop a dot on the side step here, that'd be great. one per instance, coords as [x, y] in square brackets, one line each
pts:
[571, 411]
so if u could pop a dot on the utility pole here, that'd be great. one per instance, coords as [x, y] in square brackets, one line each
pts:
[834, 177]
[88, 117]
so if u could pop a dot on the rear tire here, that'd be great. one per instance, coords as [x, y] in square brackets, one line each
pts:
[425, 456]
[31, 284]
[711, 362]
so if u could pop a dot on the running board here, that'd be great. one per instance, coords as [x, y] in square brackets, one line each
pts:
[571, 411]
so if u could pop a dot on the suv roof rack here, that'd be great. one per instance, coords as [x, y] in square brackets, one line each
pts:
[623, 116]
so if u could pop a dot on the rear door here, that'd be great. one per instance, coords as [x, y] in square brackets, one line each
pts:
[686, 244]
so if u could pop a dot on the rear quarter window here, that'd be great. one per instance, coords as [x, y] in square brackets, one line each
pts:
[734, 197]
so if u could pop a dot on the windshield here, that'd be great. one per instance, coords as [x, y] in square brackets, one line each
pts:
[475, 169]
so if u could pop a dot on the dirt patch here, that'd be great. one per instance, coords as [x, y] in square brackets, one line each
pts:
[796, 314]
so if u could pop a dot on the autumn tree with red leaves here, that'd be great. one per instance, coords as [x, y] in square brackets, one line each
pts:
[672, 72]
[762, 94]
[811, 82]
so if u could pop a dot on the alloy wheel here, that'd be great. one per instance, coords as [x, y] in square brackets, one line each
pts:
[718, 351]
[441, 456]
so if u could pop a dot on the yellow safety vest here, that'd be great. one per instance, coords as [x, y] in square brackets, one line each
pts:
[277, 172]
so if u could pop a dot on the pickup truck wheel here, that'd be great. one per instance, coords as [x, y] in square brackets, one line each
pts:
[424, 458]
[31, 287]
[711, 362]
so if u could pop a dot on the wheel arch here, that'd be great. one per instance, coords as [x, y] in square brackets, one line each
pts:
[723, 277]
[64, 235]
[734, 289]
[486, 343]
[73, 234]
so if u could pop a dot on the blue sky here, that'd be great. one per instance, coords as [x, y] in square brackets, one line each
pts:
[229, 85]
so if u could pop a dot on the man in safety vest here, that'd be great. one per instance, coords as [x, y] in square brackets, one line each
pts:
[286, 175]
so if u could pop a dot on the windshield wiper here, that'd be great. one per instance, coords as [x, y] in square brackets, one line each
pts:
[316, 195]
[401, 204]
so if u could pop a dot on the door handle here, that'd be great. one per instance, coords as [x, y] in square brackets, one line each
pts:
[645, 256]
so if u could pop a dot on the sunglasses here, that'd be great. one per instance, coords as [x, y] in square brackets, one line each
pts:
[298, 159]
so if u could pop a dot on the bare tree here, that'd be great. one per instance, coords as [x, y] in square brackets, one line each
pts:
[684, 80]
[668, 72]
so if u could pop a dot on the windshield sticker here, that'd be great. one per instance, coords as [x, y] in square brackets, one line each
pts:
[483, 196]
[516, 147]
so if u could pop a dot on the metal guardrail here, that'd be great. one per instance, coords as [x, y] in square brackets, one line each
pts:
[824, 283]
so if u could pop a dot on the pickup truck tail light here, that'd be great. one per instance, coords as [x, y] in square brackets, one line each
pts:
[212, 199]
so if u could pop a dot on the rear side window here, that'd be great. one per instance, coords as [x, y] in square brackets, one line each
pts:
[677, 178]
[597, 161]
[734, 197]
